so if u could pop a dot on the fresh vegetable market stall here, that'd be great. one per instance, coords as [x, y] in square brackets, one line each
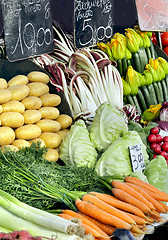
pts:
[93, 179]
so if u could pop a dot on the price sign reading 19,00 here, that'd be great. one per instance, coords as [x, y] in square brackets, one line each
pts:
[93, 22]
[137, 159]
[27, 28]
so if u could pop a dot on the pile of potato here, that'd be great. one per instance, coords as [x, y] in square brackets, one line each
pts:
[28, 113]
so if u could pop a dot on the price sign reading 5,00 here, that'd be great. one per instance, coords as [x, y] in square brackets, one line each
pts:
[137, 159]
[93, 22]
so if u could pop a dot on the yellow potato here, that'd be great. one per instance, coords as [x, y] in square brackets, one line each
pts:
[32, 102]
[19, 92]
[50, 100]
[5, 148]
[27, 132]
[3, 83]
[18, 80]
[5, 95]
[13, 106]
[52, 155]
[36, 140]
[64, 120]
[37, 89]
[48, 125]
[36, 76]
[52, 140]
[31, 116]
[21, 143]
[1, 109]
[63, 133]
[12, 119]
[49, 112]
[7, 135]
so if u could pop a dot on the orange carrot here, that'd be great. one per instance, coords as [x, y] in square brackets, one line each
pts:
[84, 220]
[157, 196]
[107, 208]
[88, 229]
[135, 229]
[126, 197]
[155, 203]
[115, 202]
[123, 186]
[155, 214]
[137, 219]
[104, 227]
[143, 184]
[102, 216]
[164, 206]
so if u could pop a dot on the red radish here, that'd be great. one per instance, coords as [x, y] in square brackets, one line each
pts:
[152, 138]
[164, 154]
[153, 145]
[154, 130]
[165, 146]
[165, 139]
[158, 138]
[157, 149]
[155, 155]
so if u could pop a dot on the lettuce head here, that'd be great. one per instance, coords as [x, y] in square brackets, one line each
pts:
[116, 159]
[76, 148]
[157, 173]
[108, 124]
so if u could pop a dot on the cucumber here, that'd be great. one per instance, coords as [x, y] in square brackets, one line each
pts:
[124, 66]
[152, 94]
[130, 100]
[119, 67]
[141, 100]
[161, 92]
[152, 50]
[138, 108]
[165, 90]
[148, 53]
[157, 91]
[137, 62]
[146, 96]
[143, 58]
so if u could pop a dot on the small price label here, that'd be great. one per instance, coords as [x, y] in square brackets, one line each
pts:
[137, 159]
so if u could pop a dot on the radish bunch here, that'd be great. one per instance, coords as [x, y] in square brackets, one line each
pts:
[158, 144]
[15, 235]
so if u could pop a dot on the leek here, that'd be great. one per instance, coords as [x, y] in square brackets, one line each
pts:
[15, 223]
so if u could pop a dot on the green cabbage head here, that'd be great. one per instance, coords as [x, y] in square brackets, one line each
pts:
[76, 148]
[116, 159]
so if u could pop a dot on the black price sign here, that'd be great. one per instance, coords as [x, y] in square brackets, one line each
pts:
[137, 159]
[27, 27]
[93, 22]
[152, 15]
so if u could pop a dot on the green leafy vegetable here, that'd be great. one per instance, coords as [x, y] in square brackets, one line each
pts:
[107, 126]
[116, 159]
[157, 173]
[77, 149]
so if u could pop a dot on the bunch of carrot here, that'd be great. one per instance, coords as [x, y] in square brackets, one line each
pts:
[133, 206]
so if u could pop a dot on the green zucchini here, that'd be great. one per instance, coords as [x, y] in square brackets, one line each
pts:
[164, 89]
[161, 92]
[166, 80]
[152, 94]
[157, 91]
[152, 50]
[148, 53]
[129, 62]
[119, 67]
[124, 66]
[137, 62]
[130, 100]
[146, 96]
[138, 108]
[143, 58]
[141, 100]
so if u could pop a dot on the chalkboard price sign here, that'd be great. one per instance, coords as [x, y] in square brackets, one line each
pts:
[152, 15]
[93, 22]
[136, 156]
[27, 28]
